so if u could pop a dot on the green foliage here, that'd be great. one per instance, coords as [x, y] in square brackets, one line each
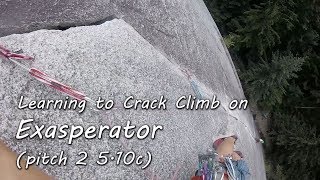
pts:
[259, 35]
[262, 24]
[297, 146]
[275, 172]
[230, 40]
[228, 14]
[266, 83]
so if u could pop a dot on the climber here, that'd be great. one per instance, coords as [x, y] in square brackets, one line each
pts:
[9, 170]
[230, 161]
[225, 150]
[225, 147]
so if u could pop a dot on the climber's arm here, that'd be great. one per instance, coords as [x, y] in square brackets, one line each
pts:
[9, 170]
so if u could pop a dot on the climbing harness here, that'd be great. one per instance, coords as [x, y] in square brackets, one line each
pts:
[210, 168]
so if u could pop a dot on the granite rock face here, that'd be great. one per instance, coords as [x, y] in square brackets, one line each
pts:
[140, 52]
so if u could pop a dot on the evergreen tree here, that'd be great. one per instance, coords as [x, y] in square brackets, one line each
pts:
[259, 33]
[262, 25]
[266, 83]
[297, 147]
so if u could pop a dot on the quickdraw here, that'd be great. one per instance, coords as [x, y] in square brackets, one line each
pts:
[41, 76]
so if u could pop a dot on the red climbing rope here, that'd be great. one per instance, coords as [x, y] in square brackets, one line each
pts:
[41, 76]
